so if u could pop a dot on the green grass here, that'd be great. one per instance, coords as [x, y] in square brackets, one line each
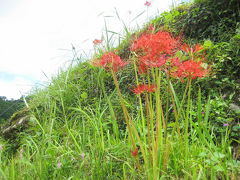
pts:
[77, 131]
[61, 133]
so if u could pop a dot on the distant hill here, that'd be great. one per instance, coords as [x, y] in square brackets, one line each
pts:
[8, 107]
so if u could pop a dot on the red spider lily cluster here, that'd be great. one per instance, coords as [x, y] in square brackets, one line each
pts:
[143, 88]
[110, 61]
[158, 51]
[159, 55]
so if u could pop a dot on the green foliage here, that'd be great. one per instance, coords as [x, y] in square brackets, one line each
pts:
[8, 107]
[217, 20]
[210, 19]
[13, 130]
[77, 120]
[221, 118]
[216, 25]
[225, 56]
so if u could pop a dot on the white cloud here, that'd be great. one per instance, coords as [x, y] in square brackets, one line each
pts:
[16, 88]
[32, 36]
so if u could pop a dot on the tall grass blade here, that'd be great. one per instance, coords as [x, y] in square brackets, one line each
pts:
[207, 112]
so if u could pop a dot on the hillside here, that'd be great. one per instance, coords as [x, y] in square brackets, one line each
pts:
[8, 107]
[164, 103]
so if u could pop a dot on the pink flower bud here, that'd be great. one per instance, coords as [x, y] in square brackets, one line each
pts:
[59, 165]
[147, 3]
[82, 155]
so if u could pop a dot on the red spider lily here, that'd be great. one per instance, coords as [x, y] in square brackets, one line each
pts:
[192, 69]
[159, 43]
[154, 48]
[143, 88]
[172, 64]
[174, 61]
[192, 50]
[150, 28]
[134, 153]
[97, 41]
[110, 61]
[159, 62]
[147, 3]
[142, 69]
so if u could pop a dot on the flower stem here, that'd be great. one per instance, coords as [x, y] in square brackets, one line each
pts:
[186, 122]
[158, 121]
[148, 127]
[141, 108]
[129, 122]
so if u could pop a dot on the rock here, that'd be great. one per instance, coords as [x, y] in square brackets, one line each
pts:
[234, 107]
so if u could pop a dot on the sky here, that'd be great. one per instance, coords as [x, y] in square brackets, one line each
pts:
[37, 36]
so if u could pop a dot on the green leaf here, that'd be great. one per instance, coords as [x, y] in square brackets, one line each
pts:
[219, 168]
[202, 154]
[218, 155]
[207, 112]
[199, 114]
[84, 95]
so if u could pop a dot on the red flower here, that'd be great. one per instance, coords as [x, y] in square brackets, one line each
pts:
[147, 3]
[154, 49]
[110, 61]
[159, 43]
[192, 50]
[150, 28]
[191, 68]
[134, 153]
[172, 64]
[97, 41]
[142, 69]
[158, 62]
[143, 88]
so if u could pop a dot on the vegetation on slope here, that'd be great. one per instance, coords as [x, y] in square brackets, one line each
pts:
[76, 126]
[8, 107]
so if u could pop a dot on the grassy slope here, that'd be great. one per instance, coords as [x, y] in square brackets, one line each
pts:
[77, 125]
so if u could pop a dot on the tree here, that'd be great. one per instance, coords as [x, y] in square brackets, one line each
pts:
[8, 107]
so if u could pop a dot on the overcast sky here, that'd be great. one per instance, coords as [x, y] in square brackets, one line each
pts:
[36, 36]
